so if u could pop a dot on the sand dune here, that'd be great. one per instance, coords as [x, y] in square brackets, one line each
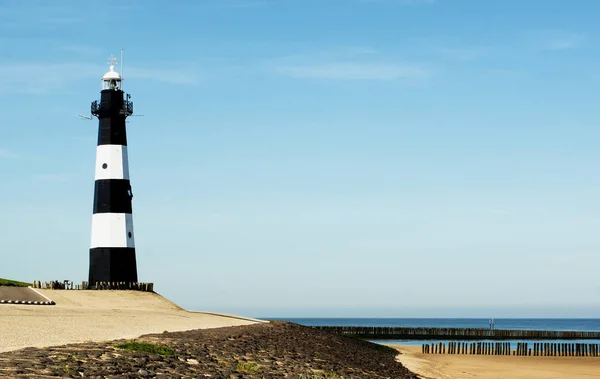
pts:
[80, 316]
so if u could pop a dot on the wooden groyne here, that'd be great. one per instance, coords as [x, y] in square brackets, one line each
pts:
[535, 349]
[412, 333]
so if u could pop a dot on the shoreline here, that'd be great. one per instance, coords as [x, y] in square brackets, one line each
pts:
[450, 366]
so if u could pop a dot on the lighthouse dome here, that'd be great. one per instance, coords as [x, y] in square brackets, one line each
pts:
[112, 74]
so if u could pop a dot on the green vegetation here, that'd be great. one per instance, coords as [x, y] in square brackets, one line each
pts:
[13, 283]
[247, 367]
[146, 348]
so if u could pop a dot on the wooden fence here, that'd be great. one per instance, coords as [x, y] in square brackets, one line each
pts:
[542, 349]
[415, 333]
[69, 285]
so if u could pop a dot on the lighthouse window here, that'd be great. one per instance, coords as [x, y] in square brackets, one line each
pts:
[104, 166]
[129, 234]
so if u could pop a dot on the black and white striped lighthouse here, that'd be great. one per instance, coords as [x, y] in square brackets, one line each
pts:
[112, 249]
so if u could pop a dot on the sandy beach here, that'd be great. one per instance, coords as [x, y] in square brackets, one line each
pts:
[81, 316]
[496, 367]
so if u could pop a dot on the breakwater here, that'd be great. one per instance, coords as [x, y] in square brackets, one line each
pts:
[411, 333]
[537, 349]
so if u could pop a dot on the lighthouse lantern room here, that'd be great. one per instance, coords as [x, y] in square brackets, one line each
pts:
[111, 80]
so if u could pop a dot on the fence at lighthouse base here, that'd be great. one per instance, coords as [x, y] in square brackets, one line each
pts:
[69, 285]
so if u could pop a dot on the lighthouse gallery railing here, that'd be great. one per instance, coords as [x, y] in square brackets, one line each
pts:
[99, 107]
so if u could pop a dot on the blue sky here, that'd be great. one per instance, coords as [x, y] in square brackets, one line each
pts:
[393, 158]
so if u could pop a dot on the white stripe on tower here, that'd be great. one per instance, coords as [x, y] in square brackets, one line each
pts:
[112, 230]
[112, 162]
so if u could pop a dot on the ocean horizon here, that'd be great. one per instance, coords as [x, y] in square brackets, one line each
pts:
[561, 324]
[558, 324]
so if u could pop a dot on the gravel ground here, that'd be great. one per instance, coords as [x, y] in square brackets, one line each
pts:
[265, 350]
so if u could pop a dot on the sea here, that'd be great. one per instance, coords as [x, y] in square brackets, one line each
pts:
[559, 324]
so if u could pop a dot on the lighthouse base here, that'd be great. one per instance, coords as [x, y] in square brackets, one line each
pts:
[112, 264]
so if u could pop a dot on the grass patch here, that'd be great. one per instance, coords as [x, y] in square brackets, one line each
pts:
[146, 348]
[13, 283]
[247, 367]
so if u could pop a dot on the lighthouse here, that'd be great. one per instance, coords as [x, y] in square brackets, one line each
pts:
[112, 248]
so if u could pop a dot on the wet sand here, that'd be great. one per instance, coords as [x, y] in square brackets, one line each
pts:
[431, 366]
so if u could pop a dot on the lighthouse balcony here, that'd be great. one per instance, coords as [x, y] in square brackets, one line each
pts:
[106, 107]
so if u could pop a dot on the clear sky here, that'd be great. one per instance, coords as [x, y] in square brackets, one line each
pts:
[385, 158]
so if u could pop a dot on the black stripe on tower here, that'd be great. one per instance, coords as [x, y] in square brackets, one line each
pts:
[111, 112]
[112, 263]
[112, 196]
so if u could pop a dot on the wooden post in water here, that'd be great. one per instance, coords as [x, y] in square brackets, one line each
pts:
[522, 348]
